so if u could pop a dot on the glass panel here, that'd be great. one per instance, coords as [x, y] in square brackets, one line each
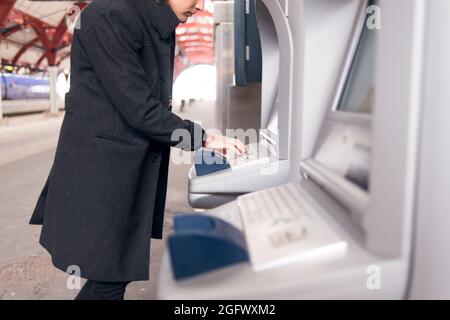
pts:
[358, 95]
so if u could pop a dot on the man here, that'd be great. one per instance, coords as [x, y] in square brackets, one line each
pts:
[105, 194]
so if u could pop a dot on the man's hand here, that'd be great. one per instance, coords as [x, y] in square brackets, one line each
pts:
[225, 145]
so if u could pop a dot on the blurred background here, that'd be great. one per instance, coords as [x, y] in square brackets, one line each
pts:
[35, 43]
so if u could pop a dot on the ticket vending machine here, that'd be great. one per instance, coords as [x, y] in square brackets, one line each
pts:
[373, 191]
[211, 190]
[291, 47]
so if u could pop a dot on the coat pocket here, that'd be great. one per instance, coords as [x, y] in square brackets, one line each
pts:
[110, 139]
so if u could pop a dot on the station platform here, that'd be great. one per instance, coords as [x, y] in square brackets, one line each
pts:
[13, 107]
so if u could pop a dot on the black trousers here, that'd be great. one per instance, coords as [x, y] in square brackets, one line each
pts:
[96, 290]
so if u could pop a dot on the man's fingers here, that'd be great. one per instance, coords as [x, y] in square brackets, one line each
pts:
[228, 146]
[231, 151]
[238, 145]
[237, 151]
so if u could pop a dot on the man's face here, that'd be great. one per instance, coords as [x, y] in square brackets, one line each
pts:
[184, 9]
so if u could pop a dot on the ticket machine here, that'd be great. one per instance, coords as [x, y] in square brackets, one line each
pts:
[369, 216]
[276, 105]
[285, 123]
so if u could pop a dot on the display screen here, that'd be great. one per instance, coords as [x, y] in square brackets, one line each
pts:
[359, 90]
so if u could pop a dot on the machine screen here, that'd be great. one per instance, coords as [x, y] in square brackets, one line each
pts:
[358, 94]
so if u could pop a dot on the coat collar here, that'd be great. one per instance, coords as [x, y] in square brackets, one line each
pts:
[158, 14]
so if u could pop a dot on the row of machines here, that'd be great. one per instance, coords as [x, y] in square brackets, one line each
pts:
[346, 200]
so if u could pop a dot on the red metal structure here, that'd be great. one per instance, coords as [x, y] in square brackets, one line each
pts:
[49, 38]
[194, 38]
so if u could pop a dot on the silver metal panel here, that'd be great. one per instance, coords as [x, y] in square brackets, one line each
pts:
[224, 51]
[208, 200]
[354, 199]
[344, 278]
[382, 239]
[431, 261]
[285, 6]
[276, 41]
[342, 132]
[277, 48]
[240, 181]
[270, 48]
[298, 128]
[399, 86]
[329, 35]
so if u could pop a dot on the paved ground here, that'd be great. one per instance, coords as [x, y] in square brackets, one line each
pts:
[27, 147]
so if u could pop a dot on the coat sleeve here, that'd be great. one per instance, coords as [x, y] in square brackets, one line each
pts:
[112, 45]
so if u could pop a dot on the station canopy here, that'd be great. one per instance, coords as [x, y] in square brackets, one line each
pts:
[36, 34]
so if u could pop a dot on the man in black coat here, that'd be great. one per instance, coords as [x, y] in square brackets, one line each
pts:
[105, 195]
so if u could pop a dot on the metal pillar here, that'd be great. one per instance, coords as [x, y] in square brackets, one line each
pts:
[54, 98]
[5, 8]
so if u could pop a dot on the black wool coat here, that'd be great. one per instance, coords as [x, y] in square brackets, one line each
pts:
[105, 194]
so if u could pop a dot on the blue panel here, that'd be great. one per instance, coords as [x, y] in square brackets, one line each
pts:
[240, 43]
[254, 65]
[203, 243]
[208, 161]
[247, 34]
